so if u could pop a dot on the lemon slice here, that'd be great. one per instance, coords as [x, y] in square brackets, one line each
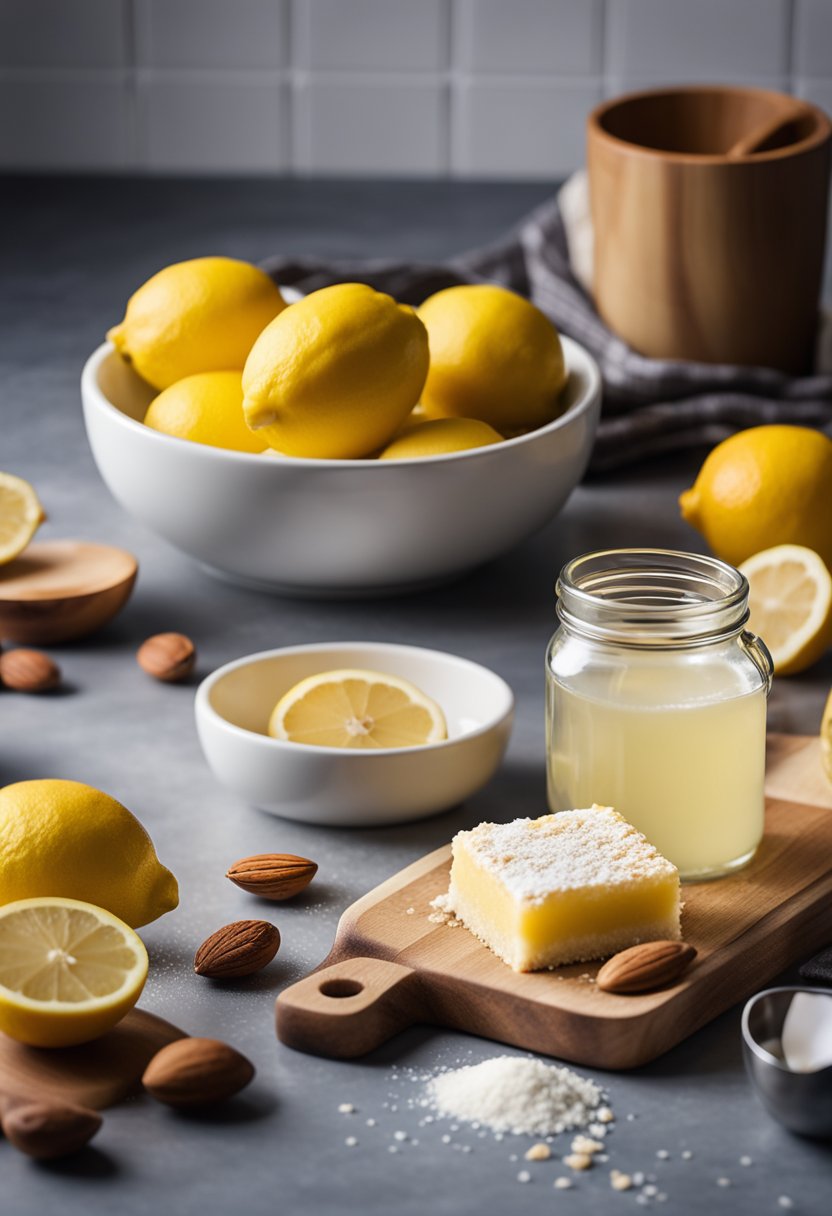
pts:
[357, 709]
[791, 605]
[20, 516]
[69, 971]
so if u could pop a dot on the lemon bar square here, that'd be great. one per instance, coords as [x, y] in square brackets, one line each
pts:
[564, 888]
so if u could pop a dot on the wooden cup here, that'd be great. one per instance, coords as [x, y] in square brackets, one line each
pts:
[709, 209]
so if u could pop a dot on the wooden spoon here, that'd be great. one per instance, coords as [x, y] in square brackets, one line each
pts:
[765, 131]
[63, 589]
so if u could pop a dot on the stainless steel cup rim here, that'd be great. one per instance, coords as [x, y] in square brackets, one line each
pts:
[757, 1048]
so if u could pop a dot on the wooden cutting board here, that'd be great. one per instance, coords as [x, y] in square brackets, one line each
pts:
[391, 967]
[96, 1074]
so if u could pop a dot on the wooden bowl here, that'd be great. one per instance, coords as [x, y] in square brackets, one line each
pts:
[63, 589]
[709, 212]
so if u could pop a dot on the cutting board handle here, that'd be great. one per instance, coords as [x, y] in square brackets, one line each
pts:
[349, 1008]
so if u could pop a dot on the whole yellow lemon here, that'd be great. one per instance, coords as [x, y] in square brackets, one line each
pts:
[770, 485]
[493, 356]
[197, 316]
[440, 436]
[205, 408]
[69, 839]
[335, 375]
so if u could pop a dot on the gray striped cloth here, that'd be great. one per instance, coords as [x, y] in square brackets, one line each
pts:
[650, 406]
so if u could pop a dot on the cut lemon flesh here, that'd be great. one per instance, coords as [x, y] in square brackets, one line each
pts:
[791, 605]
[357, 709]
[69, 971]
[21, 514]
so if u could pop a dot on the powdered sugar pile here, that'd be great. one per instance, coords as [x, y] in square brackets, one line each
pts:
[518, 1095]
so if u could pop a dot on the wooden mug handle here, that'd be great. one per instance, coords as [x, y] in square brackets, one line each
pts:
[349, 1008]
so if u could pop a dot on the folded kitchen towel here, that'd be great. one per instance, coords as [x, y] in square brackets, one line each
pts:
[650, 406]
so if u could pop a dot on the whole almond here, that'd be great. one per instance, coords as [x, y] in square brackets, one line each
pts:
[196, 1072]
[241, 948]
[167, 656]
[29, 671]
[273, 875]
[49, 1129]
[646, 966]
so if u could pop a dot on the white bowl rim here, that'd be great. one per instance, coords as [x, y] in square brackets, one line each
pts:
[202, 702]
[91, 391]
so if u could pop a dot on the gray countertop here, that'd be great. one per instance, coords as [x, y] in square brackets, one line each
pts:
[75, 251]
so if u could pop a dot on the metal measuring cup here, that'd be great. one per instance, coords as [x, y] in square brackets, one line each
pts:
[801, 1101]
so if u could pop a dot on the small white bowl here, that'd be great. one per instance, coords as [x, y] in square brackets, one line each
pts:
[335, 786]
[336, 527]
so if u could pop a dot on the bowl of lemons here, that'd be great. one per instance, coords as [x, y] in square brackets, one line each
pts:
[339, 443]
[354, 734]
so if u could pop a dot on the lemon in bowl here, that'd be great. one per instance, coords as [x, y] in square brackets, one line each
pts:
[336, 374]
[202, 315]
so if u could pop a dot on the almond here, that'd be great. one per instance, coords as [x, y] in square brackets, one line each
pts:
[28, 671]
[50, 1129]
[196, 1072]
[648, 965]
[241, 948]
[167, 656]
[273, 875]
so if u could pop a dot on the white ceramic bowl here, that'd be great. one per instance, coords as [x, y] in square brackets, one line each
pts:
[336, 527]
[331, 785]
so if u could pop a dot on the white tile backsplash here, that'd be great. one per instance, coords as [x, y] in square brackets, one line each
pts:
[812, 40]
[560, 37]
[496, 88]
[697, 39]
[61, 120]
[372, 35]
[231, 34]
[371, 125]
[204, 123]
[72, 34]
[521, 128]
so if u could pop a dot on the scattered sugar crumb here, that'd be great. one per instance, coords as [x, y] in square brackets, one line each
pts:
[409, 911]
[538, 1152]
[619, 1181]
[346, 1108]
[524, 1176]
[350, 1142]
[583, 1144]
[578, 1161]
[638, 1178]
[604, 1114]
[650, 1191]
[563, 1184]
[723, 1182]
[446, 1139]
[391, 1148]
[371, 1123]
[662, 1154]
[399, 1135]
[687, 1155]
[785, 1202]
[746, 1161]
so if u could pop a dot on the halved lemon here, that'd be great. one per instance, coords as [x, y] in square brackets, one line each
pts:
[21, 514]
[357, 709]
[69, 971]
[791, 605]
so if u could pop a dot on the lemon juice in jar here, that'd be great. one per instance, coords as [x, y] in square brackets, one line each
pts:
[656, 703]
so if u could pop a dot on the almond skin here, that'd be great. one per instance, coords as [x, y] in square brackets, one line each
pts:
[28, 671]
[196, 1072]
[646, 966]
[167, 656]
[238, 949]
[274, 876]
[45, 1130]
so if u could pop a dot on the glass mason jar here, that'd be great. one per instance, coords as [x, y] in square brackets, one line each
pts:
[656, 703]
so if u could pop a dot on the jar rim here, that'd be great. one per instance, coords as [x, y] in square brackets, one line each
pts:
[652, 597]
